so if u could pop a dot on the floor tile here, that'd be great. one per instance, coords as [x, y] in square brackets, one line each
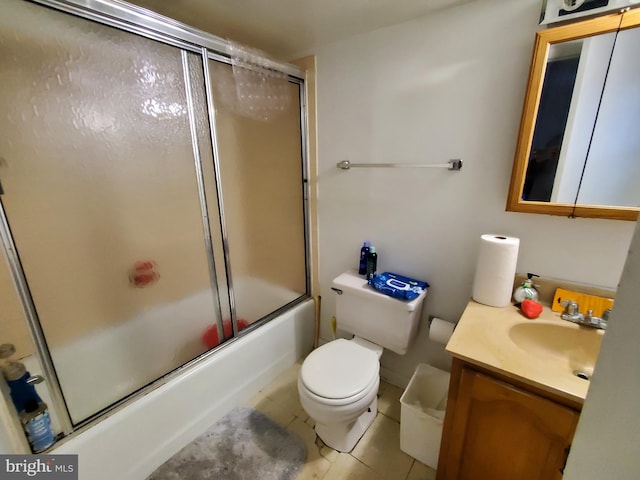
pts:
[284, 381]
[379, 449]
[289, 398]
[316, 465]
[314, 469]
[257, 399]
[419, 471]
[389, 401]
[327, 452]
[280, 400]
[308, 436]
[347, 467]
[377, 456]
[275, 411]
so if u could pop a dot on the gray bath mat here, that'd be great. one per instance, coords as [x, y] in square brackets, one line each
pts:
[244, 445]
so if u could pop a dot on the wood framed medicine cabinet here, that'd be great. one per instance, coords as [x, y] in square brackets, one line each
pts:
[578, 148]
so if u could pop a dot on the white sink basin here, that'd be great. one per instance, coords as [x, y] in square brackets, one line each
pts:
[573, 346]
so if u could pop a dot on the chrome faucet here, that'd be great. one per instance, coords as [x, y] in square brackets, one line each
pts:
[571, 313]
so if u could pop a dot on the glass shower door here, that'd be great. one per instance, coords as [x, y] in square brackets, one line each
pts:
[102, 196]
[260, 154]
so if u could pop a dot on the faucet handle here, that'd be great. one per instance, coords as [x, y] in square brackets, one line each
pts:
[571, 311]
[605, 314]
[570, 307]
[592, 321]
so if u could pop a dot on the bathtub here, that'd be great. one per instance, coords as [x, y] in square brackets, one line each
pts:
[136, 438]
[143, 348]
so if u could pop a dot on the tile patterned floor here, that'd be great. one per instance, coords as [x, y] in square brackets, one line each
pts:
[377, 456]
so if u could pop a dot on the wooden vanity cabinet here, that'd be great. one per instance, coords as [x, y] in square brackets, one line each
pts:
[499, 429]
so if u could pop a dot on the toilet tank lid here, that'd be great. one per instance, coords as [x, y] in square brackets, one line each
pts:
[357, 285]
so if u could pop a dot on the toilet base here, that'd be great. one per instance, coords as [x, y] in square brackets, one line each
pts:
[344, 436]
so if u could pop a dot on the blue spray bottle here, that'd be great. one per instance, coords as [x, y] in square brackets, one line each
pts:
[364, 253]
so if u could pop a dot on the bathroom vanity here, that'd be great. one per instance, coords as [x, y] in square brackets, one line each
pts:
[514, 396]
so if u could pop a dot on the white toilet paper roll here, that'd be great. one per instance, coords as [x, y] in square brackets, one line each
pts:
[495, 270]
[440, 331]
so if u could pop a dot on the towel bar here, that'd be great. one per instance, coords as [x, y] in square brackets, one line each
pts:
[454, 164]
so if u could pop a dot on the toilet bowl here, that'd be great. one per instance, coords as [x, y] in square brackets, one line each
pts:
[338, 382]
[338, 386]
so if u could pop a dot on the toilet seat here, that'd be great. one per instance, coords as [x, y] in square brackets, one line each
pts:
[340, 372]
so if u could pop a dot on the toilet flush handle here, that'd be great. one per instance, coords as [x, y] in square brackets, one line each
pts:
[337, 290]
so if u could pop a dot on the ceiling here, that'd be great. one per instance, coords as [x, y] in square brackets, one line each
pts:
[290, 28]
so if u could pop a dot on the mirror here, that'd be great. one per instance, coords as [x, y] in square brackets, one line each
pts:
[578, 151]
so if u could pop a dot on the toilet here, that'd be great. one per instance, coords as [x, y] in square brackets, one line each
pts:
[338, 382]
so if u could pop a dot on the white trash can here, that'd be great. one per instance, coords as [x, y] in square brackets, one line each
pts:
[422, 410]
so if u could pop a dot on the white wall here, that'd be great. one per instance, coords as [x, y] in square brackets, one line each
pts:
[450, 85]
[607, 440]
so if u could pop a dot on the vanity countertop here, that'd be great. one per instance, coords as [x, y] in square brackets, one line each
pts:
[543, 352]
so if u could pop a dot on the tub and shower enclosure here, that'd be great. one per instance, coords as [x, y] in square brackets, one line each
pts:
[153, 203]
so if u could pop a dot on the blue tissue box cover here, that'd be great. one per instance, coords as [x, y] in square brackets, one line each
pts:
[398, 286]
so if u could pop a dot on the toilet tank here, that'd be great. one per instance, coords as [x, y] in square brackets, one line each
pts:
[374, 316]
